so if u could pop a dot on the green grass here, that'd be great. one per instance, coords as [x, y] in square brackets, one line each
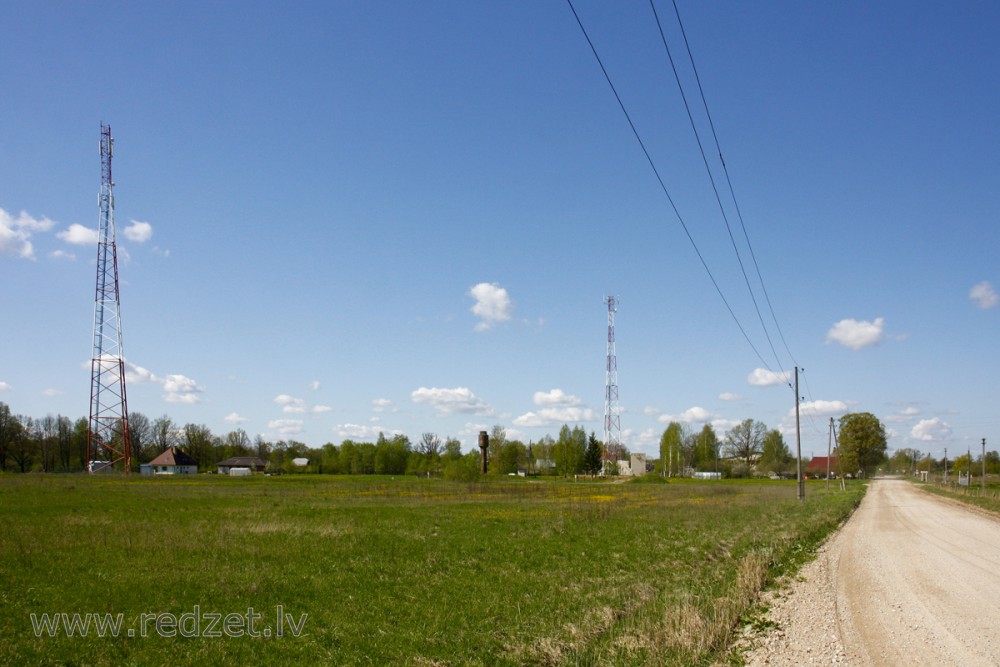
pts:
[401, 571]
[990, 500]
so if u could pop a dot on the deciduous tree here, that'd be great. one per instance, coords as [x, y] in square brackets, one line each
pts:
[862, 442]
[775, 456]
[670, 446]
[746, 440]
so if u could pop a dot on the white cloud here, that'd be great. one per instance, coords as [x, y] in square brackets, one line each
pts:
[492, 305]
[362, 432]
[821, 409]
[650, 411]
[382, 405]
[450, 401]
[5, 387]
[236, 418]
[722, 426]
[931, 430]
[856, 334]
[138, 375]
[62, 254]
[177, 388]
[285, 399]
[138, 232]
[730, 396]
[647, 440]
[761, 377]
[181, 389]
[15, 233]
[555, 416]
[51, 392]
[285, 426]
[692, 415]
[984, 296]
[297, 406]
[905, 415]
[79, 235]
[314, 385]
[555, 397]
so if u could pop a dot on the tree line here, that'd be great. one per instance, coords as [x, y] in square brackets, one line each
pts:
[59, 444]
[747, 448]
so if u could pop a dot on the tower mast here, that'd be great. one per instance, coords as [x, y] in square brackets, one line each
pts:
[612, 412]
[108, 438]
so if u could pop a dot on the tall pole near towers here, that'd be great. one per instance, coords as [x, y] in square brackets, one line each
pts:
[108, 439]
[612, 416]
[798, 443]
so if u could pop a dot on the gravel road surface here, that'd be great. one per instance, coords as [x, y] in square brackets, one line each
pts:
[910, 579]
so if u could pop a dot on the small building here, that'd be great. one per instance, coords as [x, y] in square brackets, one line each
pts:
[638, 466]
[174, 461]
[817, 467]
[101, 466]
[253, 463]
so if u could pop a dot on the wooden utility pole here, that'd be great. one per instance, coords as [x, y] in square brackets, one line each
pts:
[829, 443]
[982, 481]
[798, 442]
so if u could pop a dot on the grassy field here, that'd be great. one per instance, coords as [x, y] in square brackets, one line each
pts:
[974, 495]
[379, 571]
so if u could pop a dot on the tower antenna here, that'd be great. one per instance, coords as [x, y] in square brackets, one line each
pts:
[108, 440]
[612, 411]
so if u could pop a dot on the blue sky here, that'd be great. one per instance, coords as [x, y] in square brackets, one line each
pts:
[346, 217]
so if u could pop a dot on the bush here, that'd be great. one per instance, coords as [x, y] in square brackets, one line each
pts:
[465, 469]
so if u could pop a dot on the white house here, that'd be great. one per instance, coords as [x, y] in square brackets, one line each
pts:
[174, 462]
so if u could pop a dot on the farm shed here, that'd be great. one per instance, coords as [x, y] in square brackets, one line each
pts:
[254, 463]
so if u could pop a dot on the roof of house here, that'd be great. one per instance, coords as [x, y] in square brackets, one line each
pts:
[173, 456]
[818, 464]
[243, 462]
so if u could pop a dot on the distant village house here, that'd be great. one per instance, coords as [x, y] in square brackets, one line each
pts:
[252, 464]
[173, 461]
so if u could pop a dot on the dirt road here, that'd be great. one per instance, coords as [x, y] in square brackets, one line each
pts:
[910, 579]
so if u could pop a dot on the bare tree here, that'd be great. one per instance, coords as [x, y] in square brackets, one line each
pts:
[65, 438]
[24, 443]
[140, 437]
[163, 433]
[430, 444]
[8, 424]
[238, 442]
[746, 440]
[48, 430]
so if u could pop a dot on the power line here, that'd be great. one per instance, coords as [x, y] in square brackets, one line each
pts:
[711, 178]
[663, 186]
[729, 181]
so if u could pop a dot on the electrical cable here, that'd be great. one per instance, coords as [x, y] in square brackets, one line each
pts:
[729, 181]
[711, 178]
[663, 186]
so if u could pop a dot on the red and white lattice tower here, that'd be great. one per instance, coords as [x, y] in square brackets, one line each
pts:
[612, 411]
[108, 443]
